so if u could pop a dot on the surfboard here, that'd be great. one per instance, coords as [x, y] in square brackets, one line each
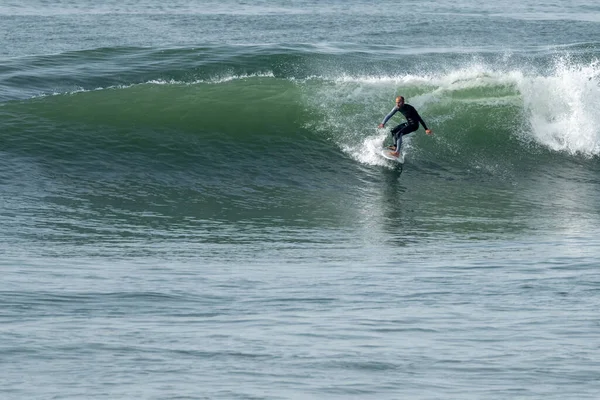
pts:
[387, 153]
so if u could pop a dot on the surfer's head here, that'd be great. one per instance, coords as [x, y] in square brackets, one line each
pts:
[400, 101]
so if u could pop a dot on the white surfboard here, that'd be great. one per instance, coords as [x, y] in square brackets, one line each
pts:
[387, 153]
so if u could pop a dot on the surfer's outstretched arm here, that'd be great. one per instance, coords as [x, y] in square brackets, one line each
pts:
[427, 130]
[423, 123]
[387, 117]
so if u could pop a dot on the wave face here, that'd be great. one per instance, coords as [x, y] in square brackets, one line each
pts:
[269, 100]
[255, 131]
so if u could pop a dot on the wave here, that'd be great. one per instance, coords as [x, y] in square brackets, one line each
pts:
[482, 115]
[478, 109]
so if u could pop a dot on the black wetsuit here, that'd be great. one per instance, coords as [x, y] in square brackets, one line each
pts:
[412, 121]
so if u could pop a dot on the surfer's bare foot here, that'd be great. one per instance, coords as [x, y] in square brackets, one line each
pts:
[392, 147]
[395, 153]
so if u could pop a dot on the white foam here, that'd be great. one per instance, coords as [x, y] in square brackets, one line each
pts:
[212, 81]
[369, 150]
[564, 107]
[230, 78]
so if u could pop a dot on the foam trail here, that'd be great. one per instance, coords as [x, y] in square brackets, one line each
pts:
[369, 151]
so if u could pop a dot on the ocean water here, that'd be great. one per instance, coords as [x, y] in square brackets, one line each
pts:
[193, 204]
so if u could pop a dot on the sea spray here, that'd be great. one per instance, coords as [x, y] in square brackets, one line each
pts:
[563, 107]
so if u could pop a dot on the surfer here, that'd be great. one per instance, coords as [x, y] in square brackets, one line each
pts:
[412, 123]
